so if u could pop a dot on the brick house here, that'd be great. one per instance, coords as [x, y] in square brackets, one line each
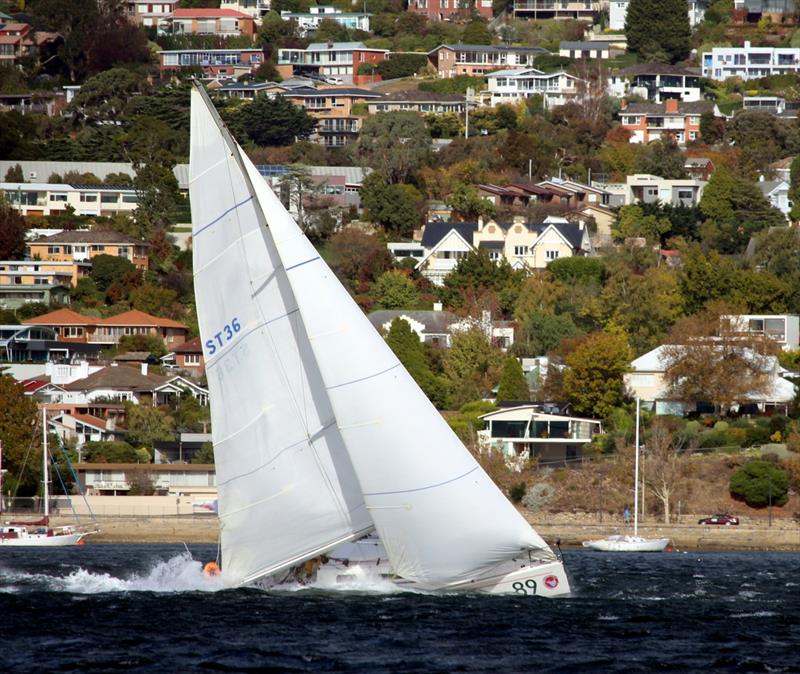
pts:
[222, 22]
[447, 10]
[651, 121]
[82, 245]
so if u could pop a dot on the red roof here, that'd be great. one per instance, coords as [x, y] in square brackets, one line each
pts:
[34, 384]
[209, 14]
[135, 317]
[90, 420]
[192, 346]
[61, 317]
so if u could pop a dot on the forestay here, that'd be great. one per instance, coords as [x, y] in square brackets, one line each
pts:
[287, 490]
[439, 515]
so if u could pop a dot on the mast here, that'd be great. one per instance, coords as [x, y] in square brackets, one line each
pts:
[1, 477]
[636, 477]
[45, 478]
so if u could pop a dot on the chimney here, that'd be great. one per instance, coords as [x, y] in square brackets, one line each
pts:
[144, 369]
[480, 223]
[437, 306]
[671, 105]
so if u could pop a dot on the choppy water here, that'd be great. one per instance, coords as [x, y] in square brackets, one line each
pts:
[147, 608]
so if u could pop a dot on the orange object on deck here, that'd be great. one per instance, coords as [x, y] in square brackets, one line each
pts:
[211, 569]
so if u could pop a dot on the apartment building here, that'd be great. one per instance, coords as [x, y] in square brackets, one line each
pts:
[221, 22]
[784, 329]
[656, 82]
[334, 62]
[749, 63]
[648, 189]
[309, 21]
[510, 86]
[51, 199]
[82, 245]
[448, 10]
[580, 10]
[333, 108]
[24, 272]
[256, 9]
[652, 121]
[450, 60]
[213, 62]
[149, 13]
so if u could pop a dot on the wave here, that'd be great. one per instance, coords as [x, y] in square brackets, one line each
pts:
[177, 574]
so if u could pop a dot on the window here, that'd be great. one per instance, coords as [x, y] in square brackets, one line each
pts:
[551, 254]
[107, 198]
[123, 251]
[89, 197]
[53, 250]
[520, 250]
[685, 195]
[72, 331]
[98, 248]
[58, 196]
[191, 359]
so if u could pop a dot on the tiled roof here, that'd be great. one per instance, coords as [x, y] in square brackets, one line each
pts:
[692, 108]
[209, 14]
[192, 346]
[654, 69]
[435, 231]
[34, 384]
[90, 420]
[135, 317]
[583, 45]
[61, 317]
[90, 236]
[435, 322]
[124, 378]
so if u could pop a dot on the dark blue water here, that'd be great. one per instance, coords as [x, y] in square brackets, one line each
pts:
[145, 608]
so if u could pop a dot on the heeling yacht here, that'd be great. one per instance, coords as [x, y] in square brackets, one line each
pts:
[320, 436]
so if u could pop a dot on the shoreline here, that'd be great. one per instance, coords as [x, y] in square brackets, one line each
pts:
[572, 530]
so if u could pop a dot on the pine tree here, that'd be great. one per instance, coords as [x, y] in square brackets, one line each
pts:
[658, 29]
[513, 385]
[411, 353]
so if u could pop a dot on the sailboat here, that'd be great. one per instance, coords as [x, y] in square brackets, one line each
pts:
[624, 542]
[39, 533]
[321, 438]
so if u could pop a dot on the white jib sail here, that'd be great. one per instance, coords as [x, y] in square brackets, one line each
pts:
[439, 515]
[287, 490]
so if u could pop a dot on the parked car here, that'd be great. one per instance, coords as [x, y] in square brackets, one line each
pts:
[719, 519]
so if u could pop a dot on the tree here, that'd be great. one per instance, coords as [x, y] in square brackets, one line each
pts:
[410, 351]
[15, 174]
[148, 424]
[401, 65]
[150, 343]
[593, 375]
[190, 415]
[109, 268]
[19, 435]
[153, 299]
[470, 366]
[759, 482]
[103, 97]
[513, 385]
[396, 207]
[712, 128]
[394, 143]
[115, 40]
[477, 32]
[12, 232]
[395, 290]
[708, 358]
[657, 28]
[205, 454]
[662, 158]
[667, 463]
[477, 274]
[157, 196]
[578, 270]
[632, 222]
[109, 451]
[74, 21]
[467, 203]
[275, 121]
[276, 32]
[542, 332]
[358, 256]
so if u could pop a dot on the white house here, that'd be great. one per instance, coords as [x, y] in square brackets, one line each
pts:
[584, 50]
[782, 328]
[510, 86]
[750, 62]
[52, 199]
[255, 9]
[777, 193]
[648, 189]
[309, 21]
[656, 82]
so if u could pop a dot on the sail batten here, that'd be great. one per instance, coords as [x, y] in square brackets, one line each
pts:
[283, 495]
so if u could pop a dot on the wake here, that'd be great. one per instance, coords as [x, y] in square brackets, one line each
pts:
[178, 574]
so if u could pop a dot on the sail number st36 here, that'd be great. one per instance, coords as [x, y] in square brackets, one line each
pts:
[223, 336]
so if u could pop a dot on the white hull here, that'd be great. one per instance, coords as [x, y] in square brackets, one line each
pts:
[627, 544]
[42, 540]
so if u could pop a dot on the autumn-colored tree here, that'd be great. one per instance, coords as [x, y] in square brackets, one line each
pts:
[470, 366]
[513, 385]
[710, 358]
[358, 256]
[21, 438]
[593, 375]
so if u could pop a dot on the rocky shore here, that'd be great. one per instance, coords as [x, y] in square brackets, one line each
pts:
[572, 529]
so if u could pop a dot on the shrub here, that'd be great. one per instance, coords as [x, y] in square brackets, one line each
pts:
[721, 426]
[538, 496]
[517, 492]
[754, 481]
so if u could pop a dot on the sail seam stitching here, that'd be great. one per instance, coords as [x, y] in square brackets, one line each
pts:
[300, 264]
[369, 376]
[432, 486]
[217, 219]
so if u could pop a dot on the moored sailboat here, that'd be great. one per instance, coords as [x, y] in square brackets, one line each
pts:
[320, 435]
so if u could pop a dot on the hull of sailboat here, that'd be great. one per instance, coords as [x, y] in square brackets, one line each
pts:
[43, 540]
[627, 544]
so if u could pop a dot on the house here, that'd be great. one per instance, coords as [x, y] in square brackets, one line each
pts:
[221, 22]
[40, 199]
[180, 451]
[749, 63]
[71, 326]
[172, 479]
[149, 14]
[512, 85]
[189, 357]
[246, 91]
[40, 171]
[618, 12]
[649, 189]
[333, 107]
[584, 50]
[699, 168]
[777, 193]
[339, 184]
[527, 432]
[538, 10]
[652, 121]
[40, 344]
[94, 422]
[80, 245]
[450, 10]
[50, 103]
[782, 169]
[253, 8]
[751, 11]
[46, 288]
[32, 272]
[450, 60]
[309, 21]
[423, 102]
[656, 82]
[135, 385]
[646, 381]
[333, 62]
[784, 329]
[231, 63]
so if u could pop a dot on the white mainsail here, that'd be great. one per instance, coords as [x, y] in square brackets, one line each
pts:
[441, 518]
[287, 489]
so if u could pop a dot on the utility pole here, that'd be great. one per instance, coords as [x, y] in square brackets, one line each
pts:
[769, 477]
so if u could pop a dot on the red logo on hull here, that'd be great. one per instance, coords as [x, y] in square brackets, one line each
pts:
[551, 582]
